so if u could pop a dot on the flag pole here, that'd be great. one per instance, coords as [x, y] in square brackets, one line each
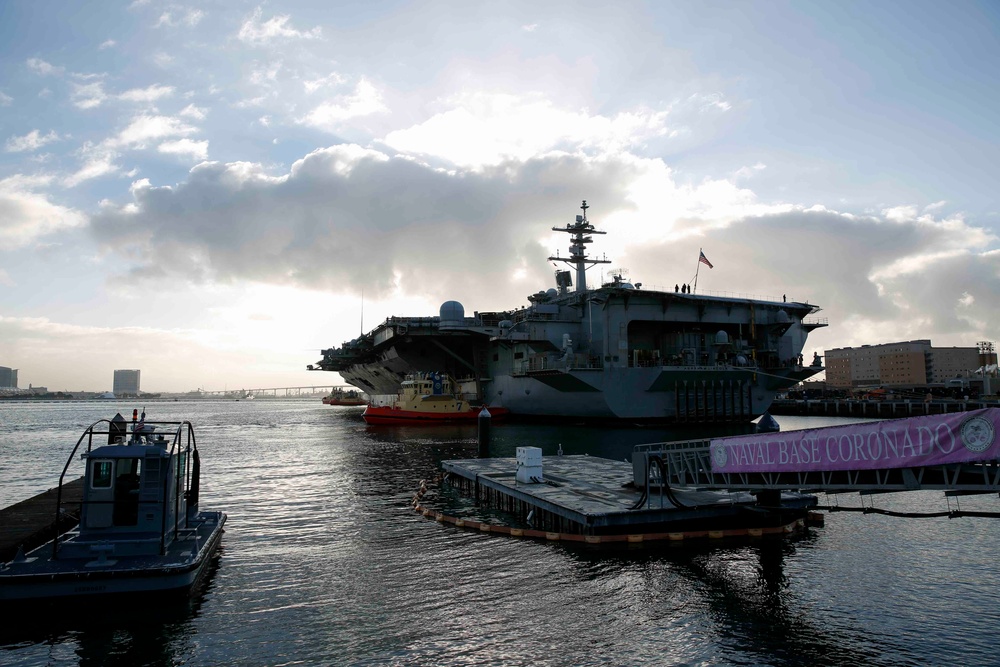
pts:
[696, 270]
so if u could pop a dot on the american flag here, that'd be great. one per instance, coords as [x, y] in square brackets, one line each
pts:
[703, 259]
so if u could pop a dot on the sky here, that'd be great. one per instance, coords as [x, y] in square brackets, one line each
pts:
[214, 192]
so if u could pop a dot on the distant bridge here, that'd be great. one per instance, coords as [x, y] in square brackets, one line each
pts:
[275, 392]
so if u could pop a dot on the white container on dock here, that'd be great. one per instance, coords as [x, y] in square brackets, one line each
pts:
[529, 465]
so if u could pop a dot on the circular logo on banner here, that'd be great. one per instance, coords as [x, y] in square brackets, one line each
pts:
[977, 434]
[720, 456]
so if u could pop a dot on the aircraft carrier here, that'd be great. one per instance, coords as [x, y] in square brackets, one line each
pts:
[610, 353]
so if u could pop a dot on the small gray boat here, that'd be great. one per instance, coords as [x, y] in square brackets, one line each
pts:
[140, 528]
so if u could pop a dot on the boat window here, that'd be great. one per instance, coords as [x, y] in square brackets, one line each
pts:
[100, 475]
[128, 469]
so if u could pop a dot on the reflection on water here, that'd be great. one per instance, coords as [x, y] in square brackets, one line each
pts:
[324, 562]
[119, 631]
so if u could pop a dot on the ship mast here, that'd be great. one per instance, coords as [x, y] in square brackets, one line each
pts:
[581, 232]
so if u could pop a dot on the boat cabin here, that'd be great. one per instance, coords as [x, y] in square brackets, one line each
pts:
[140, 491]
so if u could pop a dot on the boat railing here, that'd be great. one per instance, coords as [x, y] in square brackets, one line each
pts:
[688, 357]
[547, 362]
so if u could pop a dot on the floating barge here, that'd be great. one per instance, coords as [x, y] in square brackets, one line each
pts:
[591, 499]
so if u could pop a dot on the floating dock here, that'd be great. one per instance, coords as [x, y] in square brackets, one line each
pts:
[32, 522]
[592, 499]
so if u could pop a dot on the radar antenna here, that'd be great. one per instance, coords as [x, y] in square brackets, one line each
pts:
[580, 232]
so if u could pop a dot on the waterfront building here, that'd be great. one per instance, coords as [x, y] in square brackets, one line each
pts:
[126, 382]
[914, 363]
[8, 378]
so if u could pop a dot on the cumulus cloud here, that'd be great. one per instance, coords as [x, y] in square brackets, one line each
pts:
[175, 17]
[27, 214]
[5, 100]
[480, 129]
[97, 161]
[347, 217]
[256, 31]
[30, 142]
[330, 80]
[195, 149]
[191, 111]
[40, 66]
[147, 128]
[107, 44]
[364, 100]
[161, 59]
[168, 133]
[149, 94]
[88, 95]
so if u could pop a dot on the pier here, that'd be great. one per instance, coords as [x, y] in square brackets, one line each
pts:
[32, 522]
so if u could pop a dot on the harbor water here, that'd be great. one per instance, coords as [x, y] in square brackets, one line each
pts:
[324, 562]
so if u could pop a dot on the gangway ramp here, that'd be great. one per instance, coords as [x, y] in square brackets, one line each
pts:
[958, 454]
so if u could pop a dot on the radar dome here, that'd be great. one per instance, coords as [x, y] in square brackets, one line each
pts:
[452, 311]
[783, 316]
[721, 338]
[551, 292]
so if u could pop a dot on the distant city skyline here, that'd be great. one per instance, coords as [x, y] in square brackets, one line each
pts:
[213, 193]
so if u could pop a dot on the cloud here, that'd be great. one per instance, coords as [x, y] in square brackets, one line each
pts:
[6, 280]
[373, 211]
[142, 132]
[253, 31]
[107, 44]
[148, 94]
[196, 149]
[744, 173]
[88, 95]
[5, 100]
[147, 128]
[480, 129]
[39, 66]
[187, 17]
[98, 162]
[27, 215]
[191, 111]
[161, 59]
[30, 142]
[364, 100]
[332, 79]
[402, 228]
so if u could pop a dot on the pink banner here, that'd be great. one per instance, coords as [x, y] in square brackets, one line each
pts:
[897, 443]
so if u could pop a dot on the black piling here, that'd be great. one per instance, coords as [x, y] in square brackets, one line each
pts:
[117, 430]
[485, 428]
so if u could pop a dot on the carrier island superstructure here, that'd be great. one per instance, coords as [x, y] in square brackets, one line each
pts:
[614, 352]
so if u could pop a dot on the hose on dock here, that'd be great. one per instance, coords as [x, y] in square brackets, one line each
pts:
[667, 491]
[951, 514]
